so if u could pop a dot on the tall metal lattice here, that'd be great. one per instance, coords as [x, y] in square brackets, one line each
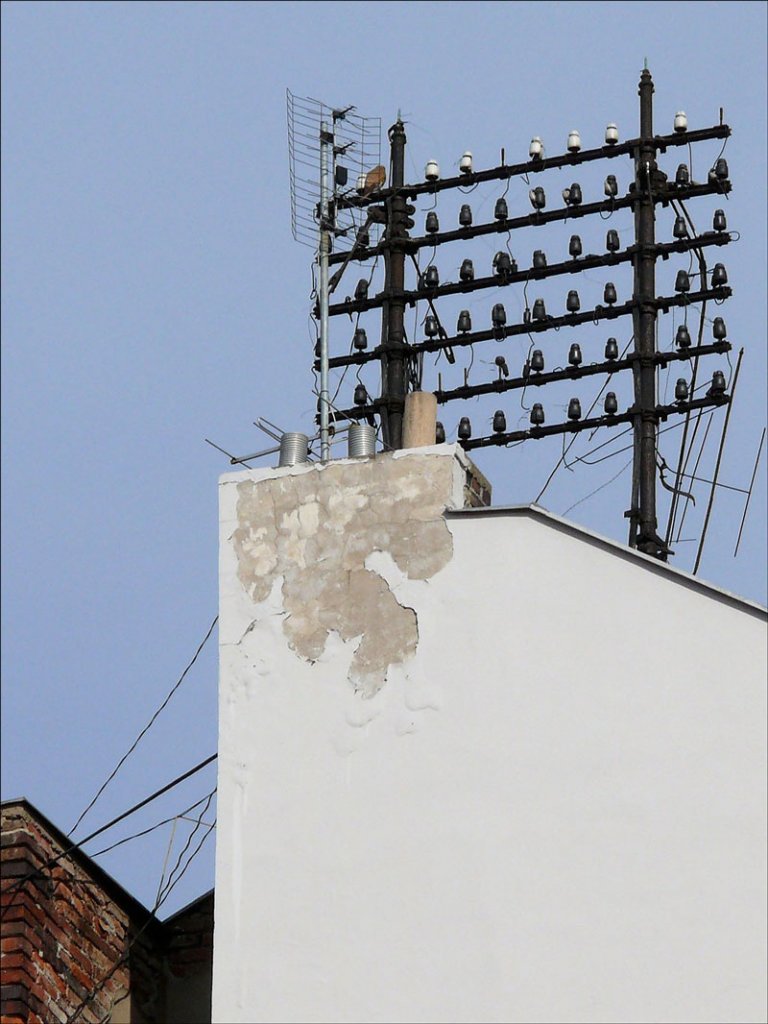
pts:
[325, 144]
[355, 151]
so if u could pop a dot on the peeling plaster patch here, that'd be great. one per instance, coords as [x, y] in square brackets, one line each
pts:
[337, 537]
[384, 565]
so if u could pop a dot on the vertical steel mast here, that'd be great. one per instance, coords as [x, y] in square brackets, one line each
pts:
[643, 526]
[393, 371]
[324, 251]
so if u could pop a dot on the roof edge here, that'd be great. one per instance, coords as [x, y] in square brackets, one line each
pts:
[130, 904]
[189, 907]
[632, 554]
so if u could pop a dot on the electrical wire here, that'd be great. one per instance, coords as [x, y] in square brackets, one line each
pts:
[357, 321]
[123, 958]
[626, 448]
[562, 460]
[722, 150]
[527, 361]
[598, 489]
[164, 890]
[415, 257]
[683, 458]
[146, 831]
[720, 450]
[682, 470]
[148, 726]
[696, 464]
[749, 492]
[53, 861]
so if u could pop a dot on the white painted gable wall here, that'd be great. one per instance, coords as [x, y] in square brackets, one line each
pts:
[553, 811]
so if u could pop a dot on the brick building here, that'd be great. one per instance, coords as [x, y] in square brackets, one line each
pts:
[77, 947]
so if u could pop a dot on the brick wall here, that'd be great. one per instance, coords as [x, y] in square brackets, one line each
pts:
[189, 939]
[477, 489]
[65, 939]
[188, 959]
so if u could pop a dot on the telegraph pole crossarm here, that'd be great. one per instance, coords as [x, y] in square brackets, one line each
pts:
[551, 323]
[504, 171]
[663, 196]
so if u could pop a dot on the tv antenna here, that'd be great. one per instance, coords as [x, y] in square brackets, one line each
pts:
[333, 154]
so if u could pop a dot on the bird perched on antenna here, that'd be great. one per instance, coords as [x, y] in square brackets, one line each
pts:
[374, 180]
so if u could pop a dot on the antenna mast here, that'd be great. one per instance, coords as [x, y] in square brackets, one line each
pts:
[643, 511]
[393, 376]
[318, 135]
[324, 251]
[642, 532]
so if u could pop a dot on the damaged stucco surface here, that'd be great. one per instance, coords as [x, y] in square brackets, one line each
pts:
[316, 531]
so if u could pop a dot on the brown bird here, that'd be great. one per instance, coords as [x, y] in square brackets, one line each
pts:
[374, 180]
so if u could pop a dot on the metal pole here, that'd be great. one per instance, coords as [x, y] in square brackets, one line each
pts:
[393, 376]
[717, 463]
[749, 492]
[326, 139]
[643, 528]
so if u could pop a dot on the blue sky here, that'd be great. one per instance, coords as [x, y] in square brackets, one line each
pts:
[153, 296]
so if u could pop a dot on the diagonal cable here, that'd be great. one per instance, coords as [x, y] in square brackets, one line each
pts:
[147, 727]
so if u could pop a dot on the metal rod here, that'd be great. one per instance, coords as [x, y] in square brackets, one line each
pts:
[501, 385]
[325, 248]
[749, 492]
[643, 524]
[662, 304]
[219, 448]
[725, 487]
[570, 266]
[661, 143]
[717, 464]
[573, 373]
[572, 427]
[270, 429]
[663, 196]
[696, 463]
[235, 460]
[393, 376]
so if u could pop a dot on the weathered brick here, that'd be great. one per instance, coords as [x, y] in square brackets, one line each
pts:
[11, 961]
[66, 934]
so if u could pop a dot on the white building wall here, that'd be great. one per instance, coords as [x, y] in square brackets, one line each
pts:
[552, 810]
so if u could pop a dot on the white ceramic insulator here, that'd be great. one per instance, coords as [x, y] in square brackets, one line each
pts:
[432, 170]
